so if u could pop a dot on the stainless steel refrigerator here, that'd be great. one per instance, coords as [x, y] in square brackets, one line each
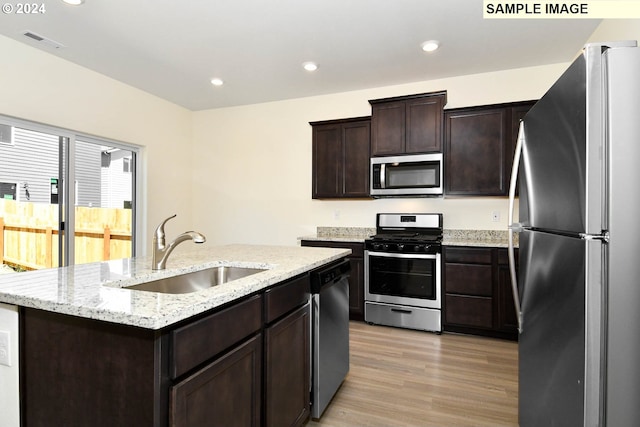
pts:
[578, 285]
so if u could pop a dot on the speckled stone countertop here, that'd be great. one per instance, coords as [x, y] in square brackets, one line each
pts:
[341, 234]
[97, 290]
[482, 238]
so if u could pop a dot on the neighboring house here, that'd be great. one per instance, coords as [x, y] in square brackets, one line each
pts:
[29, 170]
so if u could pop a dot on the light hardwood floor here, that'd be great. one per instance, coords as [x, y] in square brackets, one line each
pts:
[400, 377]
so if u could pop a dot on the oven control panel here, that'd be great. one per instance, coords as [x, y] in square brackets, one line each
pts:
[403, 247]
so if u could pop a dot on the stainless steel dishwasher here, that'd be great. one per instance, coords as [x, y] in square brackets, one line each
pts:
[330, 335]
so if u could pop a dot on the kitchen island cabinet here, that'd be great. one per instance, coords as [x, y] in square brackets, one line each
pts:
[206, 372]
[287, 344]
[212, 357]
[407, 124]
[477, 292]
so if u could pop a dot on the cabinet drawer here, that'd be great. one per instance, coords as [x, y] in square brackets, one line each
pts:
[285, 298]
[468, 255]
[469, 311]
[199, 341]
[469, 279]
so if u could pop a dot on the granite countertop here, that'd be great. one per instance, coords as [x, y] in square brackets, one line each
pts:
[341, 234]
[97, 290]
[480, 238]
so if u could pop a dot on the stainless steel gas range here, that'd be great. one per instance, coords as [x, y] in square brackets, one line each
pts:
[403, 271]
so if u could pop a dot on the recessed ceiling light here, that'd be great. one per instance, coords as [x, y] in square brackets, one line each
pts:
[310, 66]
[73, 2]
[217, 82]
[430, 45]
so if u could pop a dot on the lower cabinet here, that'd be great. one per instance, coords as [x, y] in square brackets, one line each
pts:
[226, 392]
[356, 279]
[477, 292]
[287, 375]
[247, 364]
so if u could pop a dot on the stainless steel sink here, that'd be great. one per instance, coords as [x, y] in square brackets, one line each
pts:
[196, 281]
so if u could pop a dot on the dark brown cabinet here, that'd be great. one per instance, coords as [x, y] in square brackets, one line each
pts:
[83, 372]
[356, 278]
[507, 320]
[228, 390]
[340, 167]
[477, 292]
[479, 148]
[287, 346]
[196, 399]
[407, 124]
[246, 364]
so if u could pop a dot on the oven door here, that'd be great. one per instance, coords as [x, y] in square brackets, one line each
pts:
[405, 279]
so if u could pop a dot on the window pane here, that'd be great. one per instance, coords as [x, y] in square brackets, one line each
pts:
[29, 190]
[104, 200]
[48, 173]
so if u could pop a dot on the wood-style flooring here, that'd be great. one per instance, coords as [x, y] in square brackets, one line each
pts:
[401, 377]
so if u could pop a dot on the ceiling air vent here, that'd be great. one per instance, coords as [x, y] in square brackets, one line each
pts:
[40, 39]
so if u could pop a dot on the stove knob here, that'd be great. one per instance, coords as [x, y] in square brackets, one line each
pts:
[419, 248]
[385, 247]
[377, 246]
[400, 246]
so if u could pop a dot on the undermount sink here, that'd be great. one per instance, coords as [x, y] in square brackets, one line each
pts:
[196, 281]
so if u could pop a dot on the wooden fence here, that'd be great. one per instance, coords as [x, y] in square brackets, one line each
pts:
[29, 234]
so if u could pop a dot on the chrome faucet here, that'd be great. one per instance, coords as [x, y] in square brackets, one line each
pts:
[161, 251]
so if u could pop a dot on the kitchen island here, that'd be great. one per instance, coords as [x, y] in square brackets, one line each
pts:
[96, 353]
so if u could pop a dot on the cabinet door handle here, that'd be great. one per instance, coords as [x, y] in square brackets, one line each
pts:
[399, 310]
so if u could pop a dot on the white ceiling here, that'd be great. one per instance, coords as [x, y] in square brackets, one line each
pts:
[173, 48]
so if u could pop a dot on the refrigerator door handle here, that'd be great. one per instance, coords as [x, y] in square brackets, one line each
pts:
[515, 227]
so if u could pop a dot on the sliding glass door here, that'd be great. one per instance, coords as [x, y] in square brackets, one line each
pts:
[65, 198]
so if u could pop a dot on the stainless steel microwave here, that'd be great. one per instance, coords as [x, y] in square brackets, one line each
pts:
[412, 175]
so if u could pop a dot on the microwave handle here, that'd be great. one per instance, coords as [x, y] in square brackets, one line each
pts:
[383, 175]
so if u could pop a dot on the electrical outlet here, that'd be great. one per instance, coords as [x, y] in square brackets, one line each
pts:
[495, 216]
[5, 350]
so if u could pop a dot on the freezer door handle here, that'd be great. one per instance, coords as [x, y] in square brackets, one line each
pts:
[515, 227]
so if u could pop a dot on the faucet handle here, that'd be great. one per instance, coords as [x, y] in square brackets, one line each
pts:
[159, 233]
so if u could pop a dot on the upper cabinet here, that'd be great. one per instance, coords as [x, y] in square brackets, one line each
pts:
[479, 147]
[341, 158]
[407, 124]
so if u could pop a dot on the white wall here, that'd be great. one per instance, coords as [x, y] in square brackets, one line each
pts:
[252, 164]
[9, 375]
[40, 87]
[615, 30]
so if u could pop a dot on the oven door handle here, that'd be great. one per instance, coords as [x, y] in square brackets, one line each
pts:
[401, 255]
[401, 311]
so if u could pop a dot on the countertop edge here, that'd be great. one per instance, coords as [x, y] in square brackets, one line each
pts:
[58, 290]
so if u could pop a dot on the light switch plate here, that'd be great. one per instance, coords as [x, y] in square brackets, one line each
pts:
[5, 350]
